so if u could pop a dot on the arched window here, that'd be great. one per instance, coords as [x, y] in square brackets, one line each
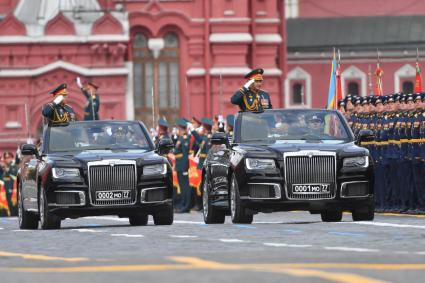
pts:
[407, 87]
[143, 78]
[297, 93]
[353, 88]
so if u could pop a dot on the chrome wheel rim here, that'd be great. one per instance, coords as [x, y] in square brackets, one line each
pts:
[233, 198]
[20, 208]
[205, 199]
[41, 208]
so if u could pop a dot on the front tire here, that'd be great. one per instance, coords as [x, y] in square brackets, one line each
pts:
[27, 220]
[164, 216]
[138, 219]
[47, 219]
[366, 214]
[212, 215]
[237, 211]
[331, 216]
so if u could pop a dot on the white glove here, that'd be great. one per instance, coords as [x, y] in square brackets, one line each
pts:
[190, 127]
[220, 118]
[80, 85]
[249, 83]
[58, 99]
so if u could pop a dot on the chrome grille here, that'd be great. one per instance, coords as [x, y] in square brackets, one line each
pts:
[310, 167]
[112, 175]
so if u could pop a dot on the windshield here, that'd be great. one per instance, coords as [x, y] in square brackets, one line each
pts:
[293, 126]
[105, 135]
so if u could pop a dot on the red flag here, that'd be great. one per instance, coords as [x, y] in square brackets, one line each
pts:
[378, 73]
[338, 86]
[418, 79]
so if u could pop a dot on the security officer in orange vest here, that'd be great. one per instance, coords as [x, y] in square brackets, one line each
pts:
[251, 97]
[57, 111]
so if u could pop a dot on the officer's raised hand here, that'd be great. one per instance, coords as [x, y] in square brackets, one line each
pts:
[248, 83]
[78, 80]
[58, 100]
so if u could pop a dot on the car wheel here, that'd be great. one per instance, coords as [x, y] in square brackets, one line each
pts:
[47, 219]
[212, 215]
[365, 214]
[138, 219]
[27, 220]
[164, 216]
[237, 211]
[331, 216]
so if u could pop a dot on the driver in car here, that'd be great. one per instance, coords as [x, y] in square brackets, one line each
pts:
[119, 135]
[316, 126]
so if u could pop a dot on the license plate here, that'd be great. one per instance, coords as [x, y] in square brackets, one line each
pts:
[311, 188]
[113, 195]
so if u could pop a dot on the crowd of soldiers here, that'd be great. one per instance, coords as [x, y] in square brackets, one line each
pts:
[398, 148]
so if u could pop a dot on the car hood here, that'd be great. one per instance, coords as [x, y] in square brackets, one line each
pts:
[277, 150]
[82, 158]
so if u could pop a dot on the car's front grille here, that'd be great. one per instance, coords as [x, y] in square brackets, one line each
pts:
[311, 171]
[112, 177]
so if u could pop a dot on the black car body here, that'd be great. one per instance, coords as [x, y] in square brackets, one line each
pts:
[95, 168]
[270, 168]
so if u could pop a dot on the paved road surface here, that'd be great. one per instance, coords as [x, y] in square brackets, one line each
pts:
[278, 247]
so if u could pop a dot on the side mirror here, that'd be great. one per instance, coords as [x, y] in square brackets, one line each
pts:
[219, 138]
[29, 149]
[165, 145]
[365, 135]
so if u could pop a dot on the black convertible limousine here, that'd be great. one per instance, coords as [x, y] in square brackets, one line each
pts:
[95, 168]
[282, 160]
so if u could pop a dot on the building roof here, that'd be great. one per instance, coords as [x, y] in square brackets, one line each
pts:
[355, 33]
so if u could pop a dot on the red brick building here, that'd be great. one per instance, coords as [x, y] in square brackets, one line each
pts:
[357, 28]
[166, 53]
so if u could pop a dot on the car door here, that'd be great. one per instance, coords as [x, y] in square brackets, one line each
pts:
[219, 167]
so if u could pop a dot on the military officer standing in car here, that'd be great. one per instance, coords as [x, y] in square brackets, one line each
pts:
[91, 109]
[57, 111]
[251, 97]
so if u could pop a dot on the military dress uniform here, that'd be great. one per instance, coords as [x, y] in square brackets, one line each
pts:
[250, 100]
[181, 154]
[58, 113]
[92, 104]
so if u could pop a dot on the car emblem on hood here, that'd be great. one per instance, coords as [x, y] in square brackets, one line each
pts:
[112, 163]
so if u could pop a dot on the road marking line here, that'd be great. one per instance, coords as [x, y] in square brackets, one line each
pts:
[286, 245]
[293, 231]
[233, 241]
[128, 235]
[420, 253]
[384, 224]
[401, 215]
[187, 263]
[18, 230]
[42, 257]
[349, 249]
[188, 222]
[108, 218]
[347, 234]
[246, 226]
[88, 231]
[183, 236]
[1, 228]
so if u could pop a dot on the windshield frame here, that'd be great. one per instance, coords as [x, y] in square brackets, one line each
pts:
[238, 125]
[47, 132]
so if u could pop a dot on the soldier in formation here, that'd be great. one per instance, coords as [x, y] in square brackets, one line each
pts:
[398, 149]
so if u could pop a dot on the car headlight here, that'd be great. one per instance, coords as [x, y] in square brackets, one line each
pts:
[156, 169]
[59, 173]
[360, 161]
[254, 163]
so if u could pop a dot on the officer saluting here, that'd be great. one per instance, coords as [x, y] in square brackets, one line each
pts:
[91, 108]
[251, 97]
[58, 111]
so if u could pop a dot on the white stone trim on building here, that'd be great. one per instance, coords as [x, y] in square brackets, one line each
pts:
[407, 71]
[298, 74]
[268, 38]
[230, 37]
[64, 65]
[195, 72]
[10, 39]
[229, 71]
[228, 20]
[355, 73]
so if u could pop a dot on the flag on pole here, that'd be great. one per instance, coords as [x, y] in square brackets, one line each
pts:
[331, 94]
[338, 82]
[418, 79]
